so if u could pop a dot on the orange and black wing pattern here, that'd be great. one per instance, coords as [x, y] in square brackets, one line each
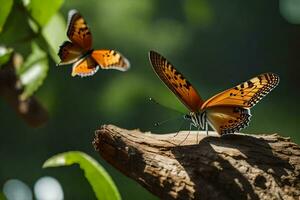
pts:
[176, 82]
[79, 50]
[81, 39]
[246, 94]
[85, 67]
[78, 31]
[228, 119]
[110, 59]
[69, 53]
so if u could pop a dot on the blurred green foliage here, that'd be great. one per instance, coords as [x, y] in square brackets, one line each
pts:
[42, 12]
[198, 12]
[5, 9]
[5, 54]
[99, 179]
[33, 71]
[215, 44]
[38, 37]
[2, 197]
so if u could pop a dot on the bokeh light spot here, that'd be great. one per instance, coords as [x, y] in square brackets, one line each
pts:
[15, 189]
[48, 188]
[290, 10]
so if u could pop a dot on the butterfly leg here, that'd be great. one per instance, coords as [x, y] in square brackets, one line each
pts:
[182, 123]
[177, 131]
[186, 135]
[198, 134]
[206, 127]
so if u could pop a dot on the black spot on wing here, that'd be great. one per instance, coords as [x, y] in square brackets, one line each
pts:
[250, 84]
[272, 81]
[241, 122]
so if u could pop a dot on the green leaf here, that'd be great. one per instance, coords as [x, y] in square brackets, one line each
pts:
[99, 179]
[42, 11]
[16, 33]
[5, 54]
[34, 71]
[55, 33]
[5, 9]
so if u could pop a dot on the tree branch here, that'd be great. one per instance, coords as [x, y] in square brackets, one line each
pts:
[30, 110]
[234, 166]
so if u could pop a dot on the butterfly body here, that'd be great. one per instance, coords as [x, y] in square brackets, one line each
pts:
[197, 120]
[226, 112]
[88, 53]
[86, 61]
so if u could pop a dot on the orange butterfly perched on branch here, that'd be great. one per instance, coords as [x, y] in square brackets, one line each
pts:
[79, 50]
[226, 112]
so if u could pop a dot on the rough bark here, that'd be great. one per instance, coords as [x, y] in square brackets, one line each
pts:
[30, 110]
[235, 166]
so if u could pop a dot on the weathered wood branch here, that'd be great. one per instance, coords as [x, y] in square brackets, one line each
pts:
[235, 166]
[30, 110]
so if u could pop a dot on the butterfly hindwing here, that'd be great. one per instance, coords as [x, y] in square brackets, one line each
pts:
[78, 31]
[246, 94]
[175, 81]
[228, 119]
[110, 59]
[85, 67]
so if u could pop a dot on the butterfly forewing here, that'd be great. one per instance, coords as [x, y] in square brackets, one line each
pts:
[69, 53]
[110, 59]
[246, 94]
[228, 119]
[78, 31]
[85, 67]
[176, 82]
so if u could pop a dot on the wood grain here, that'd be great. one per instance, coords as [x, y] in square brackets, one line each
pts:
[235, 166]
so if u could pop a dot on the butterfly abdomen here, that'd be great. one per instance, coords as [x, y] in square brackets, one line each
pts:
[88, 53]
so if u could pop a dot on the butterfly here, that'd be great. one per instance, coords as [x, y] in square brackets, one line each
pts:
[226, 112]
[79, 50]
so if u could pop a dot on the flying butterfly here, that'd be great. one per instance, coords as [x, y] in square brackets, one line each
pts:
[226, 112]
[78, 50]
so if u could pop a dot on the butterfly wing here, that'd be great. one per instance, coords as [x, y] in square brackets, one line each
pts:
[246, 94]
[85, 67]
[175, 81]
[78, 31]
[228, 119]
[69, 53]
[110, 59]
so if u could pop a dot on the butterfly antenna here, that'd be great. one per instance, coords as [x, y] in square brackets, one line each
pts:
[165, 121]
[164, 106]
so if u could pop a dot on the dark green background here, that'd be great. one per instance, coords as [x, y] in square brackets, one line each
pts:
[215, 44]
